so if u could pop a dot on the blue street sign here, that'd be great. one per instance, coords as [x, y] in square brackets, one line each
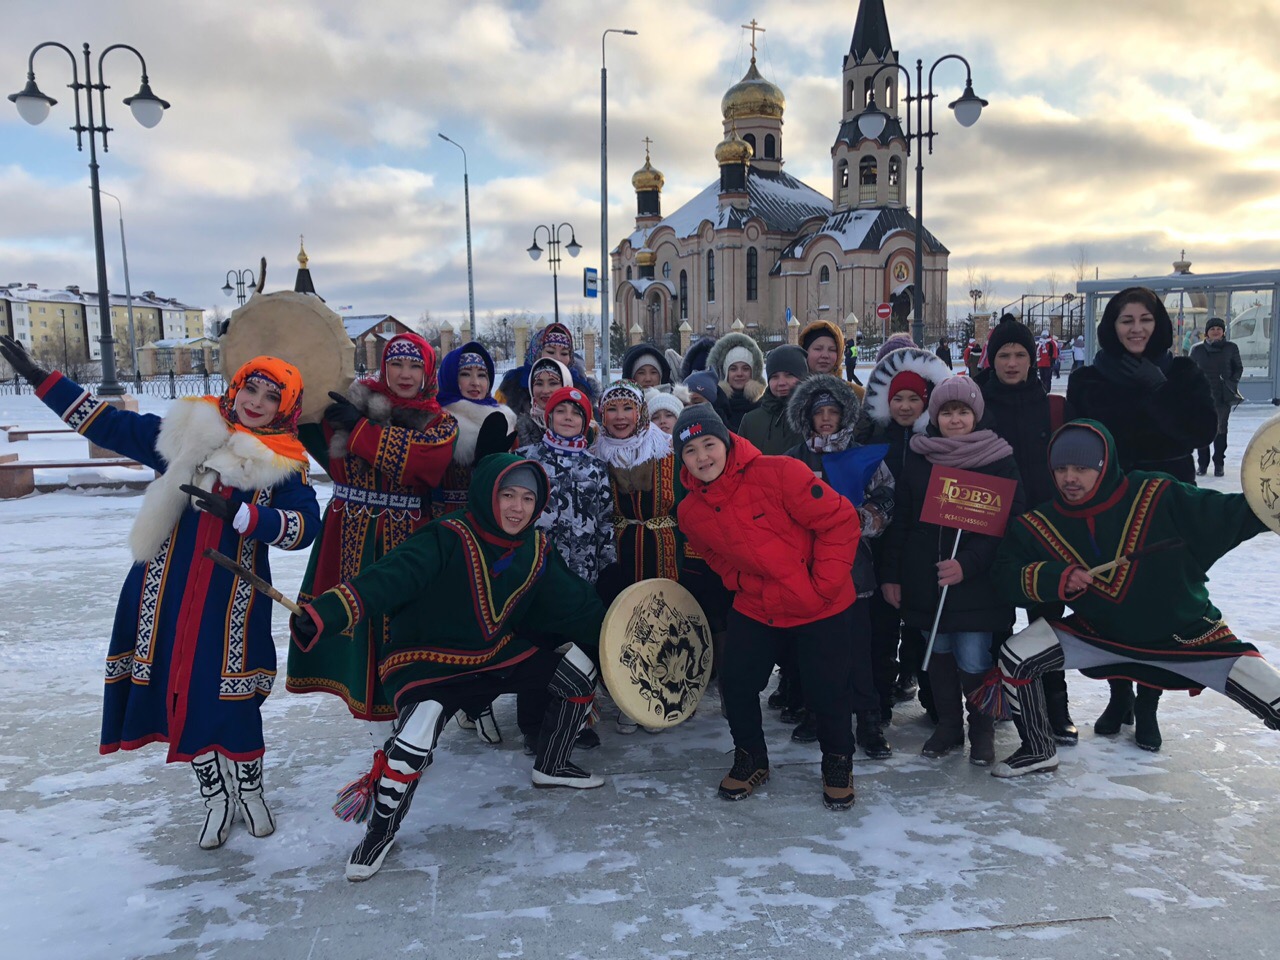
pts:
[590, 282]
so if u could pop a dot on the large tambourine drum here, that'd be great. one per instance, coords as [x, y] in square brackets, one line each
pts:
[300, 329]
[655, 653]
[1260, 473]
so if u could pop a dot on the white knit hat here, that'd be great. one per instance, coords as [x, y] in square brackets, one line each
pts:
[737, 355]
[658, 400]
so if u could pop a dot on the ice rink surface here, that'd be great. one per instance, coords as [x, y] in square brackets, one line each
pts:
[1121, 853]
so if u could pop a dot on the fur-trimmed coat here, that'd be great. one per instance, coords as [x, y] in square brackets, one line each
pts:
[191, 656]
[471, 417]
[384, 473]
[739, 402]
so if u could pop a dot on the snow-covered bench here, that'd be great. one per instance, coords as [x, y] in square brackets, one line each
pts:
[17, 477]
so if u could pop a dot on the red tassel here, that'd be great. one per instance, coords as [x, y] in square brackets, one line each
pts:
[991, 699]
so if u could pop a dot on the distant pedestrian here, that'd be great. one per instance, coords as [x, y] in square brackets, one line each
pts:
[944, 352]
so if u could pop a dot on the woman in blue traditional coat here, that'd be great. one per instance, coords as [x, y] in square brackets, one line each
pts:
[191, 656]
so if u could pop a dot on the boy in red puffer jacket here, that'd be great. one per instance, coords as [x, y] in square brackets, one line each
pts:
[784, 543]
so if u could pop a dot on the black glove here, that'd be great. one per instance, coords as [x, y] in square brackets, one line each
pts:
[493, 437]
[302, 627]
[341, 414]
[17, 357]
[1141, 371]
[211, 503]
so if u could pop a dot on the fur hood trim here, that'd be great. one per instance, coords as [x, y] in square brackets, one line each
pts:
[199, 448]
[824, 328]
[720, 349]
[753, 391]
[377, 408]
[803, 392]
[907, 358]
[471, 417]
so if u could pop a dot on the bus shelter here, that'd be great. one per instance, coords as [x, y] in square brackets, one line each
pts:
[1247, 301]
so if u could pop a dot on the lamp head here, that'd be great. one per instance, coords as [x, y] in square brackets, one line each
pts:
[872, 120]
[33, 105]
[147, 108]
[969, 107]
[227, 289]
[573, 246]
[535, 251]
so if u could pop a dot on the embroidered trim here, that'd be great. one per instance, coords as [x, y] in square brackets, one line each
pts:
[351, 602]
[258, 682]
[1029, 575]
[292, 526]
[402, 659]
[154, 574]
[119, 667]
[491, 620]
[83, 410]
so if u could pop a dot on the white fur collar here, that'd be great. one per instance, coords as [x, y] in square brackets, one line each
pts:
[471, 417]
[199, 448]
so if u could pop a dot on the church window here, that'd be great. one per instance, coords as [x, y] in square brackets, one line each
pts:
[770, 147]
[888, 94]
[844, 174]
[711, 276]
[753, 274]
[684, 294]
[868, 90]
[848, 97]
[666, 271]
[751, 139]
[628, 273]
[895, 179]
[867, 177]
[824, 275]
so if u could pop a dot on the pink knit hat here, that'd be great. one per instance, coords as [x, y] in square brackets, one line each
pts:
[961, 389]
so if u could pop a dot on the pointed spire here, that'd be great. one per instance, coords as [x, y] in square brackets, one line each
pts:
[871, 32]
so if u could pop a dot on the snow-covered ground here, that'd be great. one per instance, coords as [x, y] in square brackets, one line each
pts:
[1121, 853]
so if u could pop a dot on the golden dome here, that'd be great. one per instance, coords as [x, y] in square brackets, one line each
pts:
[646, 258]
[753, 96]
[733, 149]
[302, 255]
[647, 178]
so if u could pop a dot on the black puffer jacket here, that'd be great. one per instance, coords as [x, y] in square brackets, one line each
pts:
[1023, 415]
[1219, 361]
[913, 549]
[767, 428]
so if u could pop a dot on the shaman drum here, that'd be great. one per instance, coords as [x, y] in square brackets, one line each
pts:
[299, 329]
[655, 653]
[1260, 473]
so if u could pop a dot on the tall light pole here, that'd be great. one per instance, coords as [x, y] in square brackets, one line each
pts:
[128, 290]
[871, 123]
[466, 200]
[241, 277]
[553, 254]
[604, 205]
[148, 110]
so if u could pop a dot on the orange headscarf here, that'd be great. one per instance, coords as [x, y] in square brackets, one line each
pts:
[281, 434]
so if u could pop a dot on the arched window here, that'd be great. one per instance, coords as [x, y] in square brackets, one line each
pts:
[684, 294]
[843, 170]
[751, 139]
[753, 274]
[824, 275]
[770, 147]
[711, 276]
[888, 93]
[868, 88]
[867, 176]
[895, 179]
[628, 273]
[848, 97]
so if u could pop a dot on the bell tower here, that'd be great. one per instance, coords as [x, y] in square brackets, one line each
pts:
[752, 110]
[869, 173]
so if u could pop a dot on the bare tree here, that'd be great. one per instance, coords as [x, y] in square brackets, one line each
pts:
[213, 322]
[1051, 283]
[1080, 263]
[429, 329]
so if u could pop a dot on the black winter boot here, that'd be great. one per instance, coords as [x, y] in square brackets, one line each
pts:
[1119, 710]
[870, 736]
[982, 728]
[1219, 454]
[747, 773]
[1146, 730]
[837, 781]
[806, 730]
[1055, 695]
[944, 681]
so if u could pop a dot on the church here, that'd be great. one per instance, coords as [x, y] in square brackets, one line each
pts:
[757, 241]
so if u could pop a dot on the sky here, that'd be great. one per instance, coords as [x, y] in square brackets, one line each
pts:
[1118, 134]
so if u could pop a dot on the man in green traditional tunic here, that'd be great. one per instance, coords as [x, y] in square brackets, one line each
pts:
[469, 597]
[1149, 620]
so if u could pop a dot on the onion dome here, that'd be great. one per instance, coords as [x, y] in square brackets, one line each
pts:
[733, 149]
[646, 258]
[753, 96]
[647, 177]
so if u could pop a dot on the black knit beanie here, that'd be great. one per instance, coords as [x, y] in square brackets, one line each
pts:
[1011, 331]
[699, 420]
[787, 358]
[1077, 447]
[1214, 322]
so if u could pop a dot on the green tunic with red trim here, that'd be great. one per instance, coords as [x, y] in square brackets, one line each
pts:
[462, 597]
[1155, 609]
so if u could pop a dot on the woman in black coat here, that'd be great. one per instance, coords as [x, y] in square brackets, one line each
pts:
[1159, 410]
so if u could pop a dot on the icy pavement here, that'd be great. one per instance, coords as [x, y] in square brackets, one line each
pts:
[1121, 853]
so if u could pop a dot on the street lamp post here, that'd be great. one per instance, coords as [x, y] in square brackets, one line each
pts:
[466, 200]
[128, 290]
[148, 109]
[604, 204]
[871, 123]
[241, 277]
[553, 254]
[506, 345]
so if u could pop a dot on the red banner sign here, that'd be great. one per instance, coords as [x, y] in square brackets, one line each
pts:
[964, 500]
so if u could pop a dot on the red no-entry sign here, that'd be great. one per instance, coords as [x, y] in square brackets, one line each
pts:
[884, 311]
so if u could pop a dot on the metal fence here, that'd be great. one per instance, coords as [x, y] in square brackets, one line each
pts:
[171, 386]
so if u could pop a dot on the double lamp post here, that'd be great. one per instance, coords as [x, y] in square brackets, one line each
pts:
[148, 109]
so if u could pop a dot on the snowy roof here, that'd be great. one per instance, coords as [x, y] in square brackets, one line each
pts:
[175, 342]
[644, 283]
[779, 199]
[363, 323]
[863, 229]
[851, 135]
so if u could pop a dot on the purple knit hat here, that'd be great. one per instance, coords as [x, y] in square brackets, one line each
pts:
[962, 389]
[895, 342]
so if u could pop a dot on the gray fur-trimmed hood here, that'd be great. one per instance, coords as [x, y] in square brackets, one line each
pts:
[923, 362]
[803, 393]
[720, 349]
